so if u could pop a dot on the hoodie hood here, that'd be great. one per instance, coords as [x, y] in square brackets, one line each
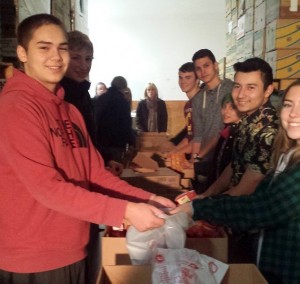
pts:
[22, 83]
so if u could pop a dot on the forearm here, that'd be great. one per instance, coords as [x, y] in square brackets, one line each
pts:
[221, 184]
[272, 204]
[184, 147]
[247, 184]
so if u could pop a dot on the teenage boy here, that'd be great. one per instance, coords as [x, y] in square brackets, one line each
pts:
[77, 87]
[207, 119]
[253, 85]
[189, 84]
[252, 147]
[52, 180]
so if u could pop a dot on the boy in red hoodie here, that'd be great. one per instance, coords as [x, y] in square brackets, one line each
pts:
[53, 182]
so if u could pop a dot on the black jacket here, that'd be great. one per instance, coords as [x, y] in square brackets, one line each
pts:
[113, 120]
[142, 114]
[78, 95]
[222, 154]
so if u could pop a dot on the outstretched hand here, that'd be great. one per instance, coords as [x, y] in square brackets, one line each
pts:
[161, 202]
[186, 207]
[143, 216]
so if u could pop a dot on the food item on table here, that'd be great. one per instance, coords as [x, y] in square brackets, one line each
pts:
[186, 197]
[203, 229]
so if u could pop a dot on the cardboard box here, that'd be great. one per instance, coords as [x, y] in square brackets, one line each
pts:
[248, 44]
[233, 4]
[285, 63]
[144, 161]
[283, 84]
[114, 250]
[283, 34]
[282, 9]
[227, 6]
[259, 43]
[240, 47]
[163, 177]
[260, 16]
[249, 4]
[234, 17]
[130, 274]
[241, 7]
[249, 20]
[241, 27]
[258, 2]
[151, 141]
[222, 64]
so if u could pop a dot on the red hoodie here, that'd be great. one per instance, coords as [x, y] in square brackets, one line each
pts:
[50, 180]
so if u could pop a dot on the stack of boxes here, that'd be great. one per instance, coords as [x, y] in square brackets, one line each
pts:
[269, 29]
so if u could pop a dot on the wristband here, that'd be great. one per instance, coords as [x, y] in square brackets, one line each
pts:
[197, 157]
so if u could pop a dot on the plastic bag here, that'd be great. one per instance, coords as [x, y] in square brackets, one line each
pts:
[141, 245]
[186, 266]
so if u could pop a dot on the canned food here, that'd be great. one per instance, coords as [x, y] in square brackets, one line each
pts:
[186, 197]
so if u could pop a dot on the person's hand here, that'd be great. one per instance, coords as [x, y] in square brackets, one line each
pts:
[186, 207]
[201, 196]
[166, 146]
[115, 168]
[143, 216]
[160, 201]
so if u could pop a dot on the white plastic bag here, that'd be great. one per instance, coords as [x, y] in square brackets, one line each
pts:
[186, 266]
[141, 245]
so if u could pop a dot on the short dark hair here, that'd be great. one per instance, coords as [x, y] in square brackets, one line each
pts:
[256, 64]
[204, 53]
[119, 82]
[187, 67]
[29, 25]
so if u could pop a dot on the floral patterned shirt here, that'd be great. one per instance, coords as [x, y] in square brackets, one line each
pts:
[253, 142]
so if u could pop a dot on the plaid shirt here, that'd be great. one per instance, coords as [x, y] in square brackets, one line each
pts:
[274, 207]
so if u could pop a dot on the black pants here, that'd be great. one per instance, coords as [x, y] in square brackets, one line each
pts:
[71, 274]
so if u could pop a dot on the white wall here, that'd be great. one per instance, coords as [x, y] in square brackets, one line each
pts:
[147, 41]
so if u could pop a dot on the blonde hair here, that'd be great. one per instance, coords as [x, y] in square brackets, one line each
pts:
[78, 40]
[150, 86]
[283, 143]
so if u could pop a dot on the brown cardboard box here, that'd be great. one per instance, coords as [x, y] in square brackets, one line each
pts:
[285, 63]
[282, 9]
[145, 161]
[114, 250]
[129, 274]
[283, 33]
[151, 141]
[285, 83]
[163, 177]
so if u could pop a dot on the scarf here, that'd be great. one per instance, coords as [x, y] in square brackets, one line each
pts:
[152, 117]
